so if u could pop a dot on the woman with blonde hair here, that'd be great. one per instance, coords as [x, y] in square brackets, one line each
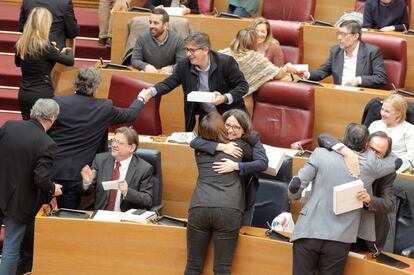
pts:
[393, 114]
[266, 43]
[37, 56]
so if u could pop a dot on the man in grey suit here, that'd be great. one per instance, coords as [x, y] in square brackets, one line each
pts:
[321, 239]
[133, 175]
[352, 62]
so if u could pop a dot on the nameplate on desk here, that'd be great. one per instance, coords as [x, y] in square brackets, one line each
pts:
[345, 197]
[197, 96]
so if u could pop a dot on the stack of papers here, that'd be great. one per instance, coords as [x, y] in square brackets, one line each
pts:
[132, 215]
[276, 157]
[345, 197]
[205, 97]
[181, 137]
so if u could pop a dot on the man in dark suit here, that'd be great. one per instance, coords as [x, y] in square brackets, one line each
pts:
[352, 62]
[133, 175]
[64, 23]
[382, 200]
[322, 239]
[80, 132]
[204, 70]
[25, 172]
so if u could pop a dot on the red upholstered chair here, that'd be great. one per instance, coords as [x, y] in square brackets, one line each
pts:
[290, 37]
[359, 5]
[284, 113]
[394, 52]
[205, 6]
[123, 90]
[289, 10]
[9, 115]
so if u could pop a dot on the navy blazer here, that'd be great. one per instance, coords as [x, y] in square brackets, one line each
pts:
[81, 129]
[64, 23]
[224, 77]
[370, 66]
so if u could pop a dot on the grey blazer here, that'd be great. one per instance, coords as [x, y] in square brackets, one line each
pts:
[138, 177]
[370, 66]
[327, 169]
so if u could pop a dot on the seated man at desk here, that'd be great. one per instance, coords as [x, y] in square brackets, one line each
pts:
[133, 175]
[204, 70]
[158, 49]
[352, 62]
[321, 239]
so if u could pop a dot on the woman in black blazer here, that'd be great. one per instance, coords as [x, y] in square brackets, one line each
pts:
[238, 125]
[216, 205]
[37, 56]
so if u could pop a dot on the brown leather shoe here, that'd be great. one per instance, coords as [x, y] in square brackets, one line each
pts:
[102, 41]
[109, 42]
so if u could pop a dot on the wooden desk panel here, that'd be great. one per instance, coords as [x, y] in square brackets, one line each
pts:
[221, 30]
[331, 11]
[316, 50]
[68, 246]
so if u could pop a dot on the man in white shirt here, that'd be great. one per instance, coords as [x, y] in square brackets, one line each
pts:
[133, 175]
[352, 62]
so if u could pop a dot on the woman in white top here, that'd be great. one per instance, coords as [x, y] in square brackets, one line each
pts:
[393, 113]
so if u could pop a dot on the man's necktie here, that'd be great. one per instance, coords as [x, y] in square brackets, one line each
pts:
[112, 194]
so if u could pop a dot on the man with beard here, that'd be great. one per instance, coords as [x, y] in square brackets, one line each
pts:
[158, 49]
[352, 62]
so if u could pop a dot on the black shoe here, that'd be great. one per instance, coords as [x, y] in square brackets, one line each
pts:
[102, 41]
[108, 42]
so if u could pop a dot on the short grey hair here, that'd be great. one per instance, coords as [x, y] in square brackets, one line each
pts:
[45, 109]
[87, 81]
[199, 39]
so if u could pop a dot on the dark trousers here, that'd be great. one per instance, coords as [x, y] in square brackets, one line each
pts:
[71, 194]
[220, 224]
[321, 256]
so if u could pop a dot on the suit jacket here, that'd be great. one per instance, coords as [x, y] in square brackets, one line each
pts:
[382, 198]
[192, 5]
[138, 177]
[370, 66]
[64, 23]
[327, 169]
[80, 131]
[25, 170]
[224, 77]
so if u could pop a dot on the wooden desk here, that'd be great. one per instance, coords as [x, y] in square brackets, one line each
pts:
[69, 246]
[221, 30]
[316, 50]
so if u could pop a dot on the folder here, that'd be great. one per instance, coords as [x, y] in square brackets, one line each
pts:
[345, 197]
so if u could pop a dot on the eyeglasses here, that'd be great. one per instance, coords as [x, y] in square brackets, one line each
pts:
[343, 34]
[192, 51]
[233, 127]
[378, 153]
[115, 141]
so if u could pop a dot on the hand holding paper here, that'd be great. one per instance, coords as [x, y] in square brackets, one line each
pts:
[110, 185]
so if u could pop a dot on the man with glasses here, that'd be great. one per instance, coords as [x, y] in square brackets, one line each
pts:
[132, 174]
[208, 71]
[381, 201]
[158, 49]
[81, 131]
[352, 62]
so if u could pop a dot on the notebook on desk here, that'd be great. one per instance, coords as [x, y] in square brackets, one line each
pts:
[310, 82]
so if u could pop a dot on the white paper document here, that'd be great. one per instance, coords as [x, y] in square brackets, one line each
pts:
[181, 137]
[110, 185]
[196, 96]
[301, 67]
[347, 88]
[174, 11]
[108, 216]
[345, 197]
[276, 157]
[139, 216]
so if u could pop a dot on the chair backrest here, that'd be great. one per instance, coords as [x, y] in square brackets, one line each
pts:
[360, 5]
[205, 6]
[290, 37]
[122, 91]
[394, 52]
[289, 10]
[9, 115]
[153, 157]
[284, 113]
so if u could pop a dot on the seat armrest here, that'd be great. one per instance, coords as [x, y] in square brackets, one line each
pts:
[408, 252]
